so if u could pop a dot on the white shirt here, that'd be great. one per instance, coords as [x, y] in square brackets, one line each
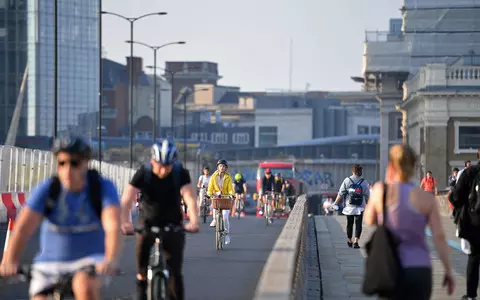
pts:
[204, 180]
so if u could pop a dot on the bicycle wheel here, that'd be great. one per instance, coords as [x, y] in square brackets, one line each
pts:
[159, 287]
[239, 208]
[266, 212]
[205, 212]
[218, 237]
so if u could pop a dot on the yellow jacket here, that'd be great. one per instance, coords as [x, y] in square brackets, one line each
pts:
[213, 187]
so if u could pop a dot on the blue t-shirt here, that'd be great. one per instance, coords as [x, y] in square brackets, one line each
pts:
[73, 230]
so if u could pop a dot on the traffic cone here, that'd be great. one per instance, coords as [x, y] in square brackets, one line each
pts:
[9, 232]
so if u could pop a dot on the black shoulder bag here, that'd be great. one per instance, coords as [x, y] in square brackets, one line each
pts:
[383, 269]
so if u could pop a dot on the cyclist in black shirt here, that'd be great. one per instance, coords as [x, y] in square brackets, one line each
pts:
[240, 188]
[162, 184]
[268, 187]
[290, 193]
[279, 187]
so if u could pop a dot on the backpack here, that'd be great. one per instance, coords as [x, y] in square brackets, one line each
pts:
[355, 193]
[94, 193]
[474, 194]
[383, 269]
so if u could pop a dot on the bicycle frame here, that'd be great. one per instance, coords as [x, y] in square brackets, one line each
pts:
[158, 268]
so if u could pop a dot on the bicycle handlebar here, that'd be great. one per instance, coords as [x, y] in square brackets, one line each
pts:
[26, 271]
[159, 230]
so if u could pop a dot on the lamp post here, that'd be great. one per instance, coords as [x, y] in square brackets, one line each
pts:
[185, 97]
[171, 74]
[55, 67]
[155, 49]
[132, 20]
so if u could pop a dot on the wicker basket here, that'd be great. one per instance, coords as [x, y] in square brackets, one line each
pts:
[222, 203]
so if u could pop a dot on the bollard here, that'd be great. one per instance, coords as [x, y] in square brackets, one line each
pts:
[9, 232]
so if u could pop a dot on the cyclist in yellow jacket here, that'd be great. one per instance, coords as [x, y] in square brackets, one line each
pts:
[221, 184]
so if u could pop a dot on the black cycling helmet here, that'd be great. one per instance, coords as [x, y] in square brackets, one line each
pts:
[206, 168]
[278, 174]
[72, 145]
[222, 162]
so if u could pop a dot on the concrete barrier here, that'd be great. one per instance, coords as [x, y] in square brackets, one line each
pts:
[283, 276]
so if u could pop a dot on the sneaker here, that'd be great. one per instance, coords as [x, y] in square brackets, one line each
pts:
[213, 224]
[227, 239]
[465, 297]
[356, 246]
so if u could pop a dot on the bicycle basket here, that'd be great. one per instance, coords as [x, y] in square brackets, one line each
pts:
[222, 203]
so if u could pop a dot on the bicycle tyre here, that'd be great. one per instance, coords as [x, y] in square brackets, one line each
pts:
[239, 209]
[204, 212]
[159, 287]
[217, 231]
[266, 212]
[222, 231]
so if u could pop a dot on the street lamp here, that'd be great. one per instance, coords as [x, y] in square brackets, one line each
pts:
[185, 97]
[172, 78]
[155, 48]
[132, 20]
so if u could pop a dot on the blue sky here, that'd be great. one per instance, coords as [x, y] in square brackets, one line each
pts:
[250, 39]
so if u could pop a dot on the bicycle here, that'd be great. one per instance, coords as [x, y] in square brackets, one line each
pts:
[239, 206]
[267, 210]
[158, 273]
[63, 288]
[220, 203]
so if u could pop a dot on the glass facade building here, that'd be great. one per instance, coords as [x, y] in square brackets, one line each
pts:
[78, 65]
[13, 59]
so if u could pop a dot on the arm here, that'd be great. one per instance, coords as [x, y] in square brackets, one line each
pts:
[26, 224]
[199, 182]
[341, 192]
[111, 222]
[128, 197]
[245, 187]
[435, 186]
[422, 183]
[439, 235]
[188, 195]
[210, 189]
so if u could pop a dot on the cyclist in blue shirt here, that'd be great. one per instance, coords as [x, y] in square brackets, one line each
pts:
[75, 231]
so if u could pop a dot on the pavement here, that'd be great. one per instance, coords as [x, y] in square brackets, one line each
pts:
[342, 267]
[231, 273]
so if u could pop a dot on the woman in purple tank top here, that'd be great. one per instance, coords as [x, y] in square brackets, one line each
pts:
[410, 210]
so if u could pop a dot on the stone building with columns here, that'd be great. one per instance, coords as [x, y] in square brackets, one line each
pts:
[441, 105]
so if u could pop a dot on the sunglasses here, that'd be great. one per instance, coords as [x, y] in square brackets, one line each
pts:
[74, 163]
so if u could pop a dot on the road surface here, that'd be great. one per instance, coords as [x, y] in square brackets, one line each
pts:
[231, 273]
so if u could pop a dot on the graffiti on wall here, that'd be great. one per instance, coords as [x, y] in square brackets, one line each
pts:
[310, 177]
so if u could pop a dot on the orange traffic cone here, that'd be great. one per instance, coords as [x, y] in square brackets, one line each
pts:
[9, 232]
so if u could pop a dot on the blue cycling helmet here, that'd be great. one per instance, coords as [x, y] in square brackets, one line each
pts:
[164, 152]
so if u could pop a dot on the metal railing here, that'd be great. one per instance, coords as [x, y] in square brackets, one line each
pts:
[283, 276]
[22, 169]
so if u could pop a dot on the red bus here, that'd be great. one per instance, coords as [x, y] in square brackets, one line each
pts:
[287, 169]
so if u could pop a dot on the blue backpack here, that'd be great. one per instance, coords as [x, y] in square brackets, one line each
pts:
[355, 193]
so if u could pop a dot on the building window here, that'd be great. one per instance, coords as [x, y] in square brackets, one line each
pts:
[362, 129]
[219, 138]
[375, 130]
[467, 137]
[267, 136]
[399, 128]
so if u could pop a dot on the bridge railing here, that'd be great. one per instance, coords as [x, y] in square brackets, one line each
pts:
[283, 276]
[21, 169]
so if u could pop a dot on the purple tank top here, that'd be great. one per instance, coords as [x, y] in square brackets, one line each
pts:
[408, 225]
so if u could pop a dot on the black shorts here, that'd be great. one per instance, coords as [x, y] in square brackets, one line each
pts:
[239, 191]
